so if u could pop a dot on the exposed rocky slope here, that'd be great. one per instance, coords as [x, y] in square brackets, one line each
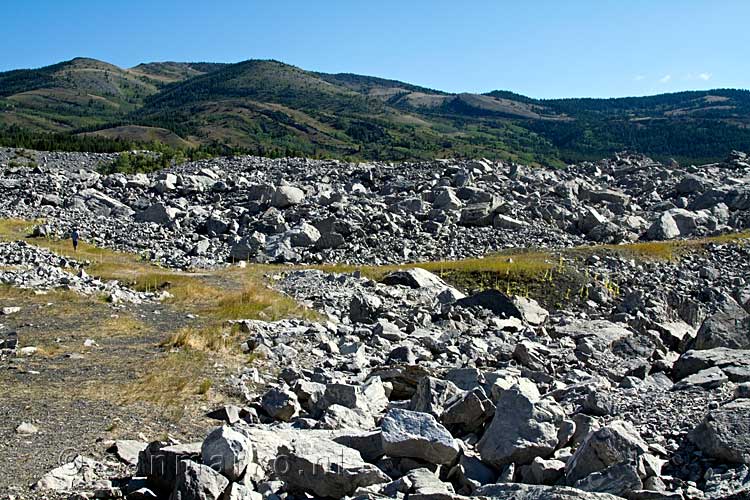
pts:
[409, 387]
[412, 389]
[297, 210]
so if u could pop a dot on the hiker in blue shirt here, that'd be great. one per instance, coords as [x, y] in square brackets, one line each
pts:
[75, 236]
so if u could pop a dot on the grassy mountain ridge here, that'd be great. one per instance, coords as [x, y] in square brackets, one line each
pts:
[267, 106]
[171, 72]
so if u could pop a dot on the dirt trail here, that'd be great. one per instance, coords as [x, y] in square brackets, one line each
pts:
[81, 396]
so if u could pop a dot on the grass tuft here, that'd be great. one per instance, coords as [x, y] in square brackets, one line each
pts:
[205, 386]
[209, 338]
[169, 381]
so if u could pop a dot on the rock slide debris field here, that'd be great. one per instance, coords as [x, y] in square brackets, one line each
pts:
[246, 328]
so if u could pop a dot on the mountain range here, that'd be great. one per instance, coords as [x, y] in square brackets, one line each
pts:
[268, 107]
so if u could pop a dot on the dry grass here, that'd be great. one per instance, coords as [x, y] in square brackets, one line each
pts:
[257, 301]
[171, 378]
[668, 250]
[205, 386]
[541, 275]
[650, 250]
[211, 338]
[121, 325]
[168, 382]
[514, 266]
[16, 229]
[219, 295]
[742, 238]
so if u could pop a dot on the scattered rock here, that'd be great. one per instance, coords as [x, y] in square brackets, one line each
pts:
[417, 435]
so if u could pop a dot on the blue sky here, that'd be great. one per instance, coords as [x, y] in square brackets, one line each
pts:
[543, 48]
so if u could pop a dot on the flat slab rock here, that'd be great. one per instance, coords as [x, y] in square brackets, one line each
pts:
[517, 491]
[325, 468]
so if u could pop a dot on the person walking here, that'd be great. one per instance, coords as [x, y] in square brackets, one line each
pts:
[74, 236]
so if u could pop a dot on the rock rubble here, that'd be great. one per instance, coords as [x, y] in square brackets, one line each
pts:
[408, 387]
[426, 398]
[205, 213]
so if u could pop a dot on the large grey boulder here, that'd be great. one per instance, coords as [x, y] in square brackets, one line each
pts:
[279, 249]
[102, 204]
[287, 196]
[305, 235]
[663, 228]
[492, 300]
[127, 450]
[280, 403]
[433, 395]
[157, 213]
[589, 218]
[710, 378]
[341, 417]
[470, 473]
[613, 444]
[521, 430]
[728, 327]
[690, 184]
[69, 476]
[542, 471]
[198, 482]
[446, 199]
[690, 222]
[227, 451]
[369, 444]
[742, 296]
[725, 432]
[330, 240]
[248, 247]
[417, 435]
[369, 397]
[709, 198]
[425, 281]
[364, 308]
[262, 193]
[410, 206]
[216, 224]
[531, 311]
[609, 232]
[478, 214]
[159, 462]
[469, 412]
[739, 199]
[324, 468]
[604, 195]
[237, 491]
[426, 484]
[414, 278]
[603, 339]
[506, 222]
[619, 479]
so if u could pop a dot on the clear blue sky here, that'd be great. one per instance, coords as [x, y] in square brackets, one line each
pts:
[552, 48]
